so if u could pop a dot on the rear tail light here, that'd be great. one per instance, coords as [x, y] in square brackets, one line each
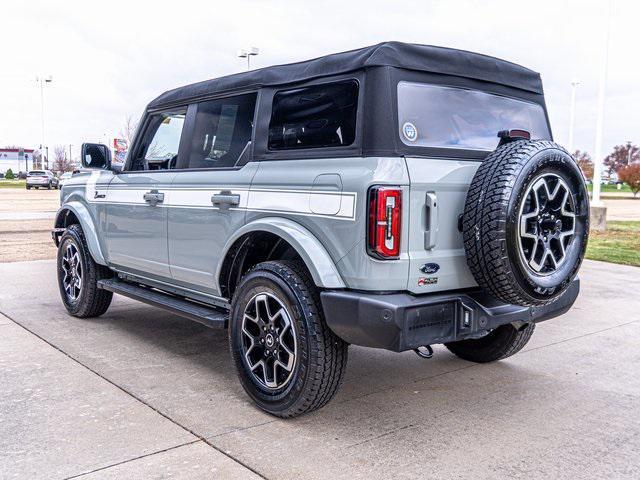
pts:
[384, 226]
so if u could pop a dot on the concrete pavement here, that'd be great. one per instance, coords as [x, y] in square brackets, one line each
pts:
[140, 393]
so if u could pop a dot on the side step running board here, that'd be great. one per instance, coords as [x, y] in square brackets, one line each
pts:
[209, 316]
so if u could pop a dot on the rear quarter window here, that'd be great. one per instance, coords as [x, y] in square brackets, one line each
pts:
[449, 117]
[314, 117]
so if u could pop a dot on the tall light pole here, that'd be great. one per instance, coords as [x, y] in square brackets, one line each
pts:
[248, 53]
[597, 161]
[572, 116]
[42, 81]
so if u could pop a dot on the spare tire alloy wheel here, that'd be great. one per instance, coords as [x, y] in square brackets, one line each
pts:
[526, 222]
[547, 224]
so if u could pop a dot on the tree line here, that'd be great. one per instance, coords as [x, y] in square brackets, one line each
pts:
[624, 161]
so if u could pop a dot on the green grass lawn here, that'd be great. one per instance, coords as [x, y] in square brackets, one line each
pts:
[12, 183]
[610, 188]
[619, 244]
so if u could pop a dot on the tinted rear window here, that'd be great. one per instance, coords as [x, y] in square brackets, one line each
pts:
[449, 117]
[36, 173]
[313, 117]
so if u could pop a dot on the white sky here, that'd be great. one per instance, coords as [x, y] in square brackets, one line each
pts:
[109, 59]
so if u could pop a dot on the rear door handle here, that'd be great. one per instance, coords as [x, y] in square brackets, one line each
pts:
[153, 197]
[225, 199]
[431, 230]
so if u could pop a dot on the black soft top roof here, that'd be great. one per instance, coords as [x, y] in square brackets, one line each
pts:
[425, 58]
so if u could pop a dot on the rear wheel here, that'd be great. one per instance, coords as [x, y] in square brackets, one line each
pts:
[78, 275]
[504, 341]
[288, 360]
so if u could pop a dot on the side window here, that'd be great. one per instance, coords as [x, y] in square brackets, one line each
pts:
[221, 132]
[316, 116]
[159, 148]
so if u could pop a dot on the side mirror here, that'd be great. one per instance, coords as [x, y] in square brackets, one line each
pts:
[96, 156]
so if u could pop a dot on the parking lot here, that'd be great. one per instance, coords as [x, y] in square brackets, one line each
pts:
[26, 219]
[140, 393]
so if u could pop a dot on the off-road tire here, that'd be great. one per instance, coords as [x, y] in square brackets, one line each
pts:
[92, 301]
[491, 216]
[321, 356]
[500, 343]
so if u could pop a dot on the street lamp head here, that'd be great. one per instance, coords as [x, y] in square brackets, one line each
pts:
[248, 52]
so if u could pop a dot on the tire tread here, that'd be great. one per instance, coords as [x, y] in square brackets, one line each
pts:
[329, 360]
[485, 220]
[94, 301]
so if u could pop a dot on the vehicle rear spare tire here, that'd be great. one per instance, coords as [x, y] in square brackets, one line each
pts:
[526, 222]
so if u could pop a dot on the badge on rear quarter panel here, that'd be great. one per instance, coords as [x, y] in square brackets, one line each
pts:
[430, 268]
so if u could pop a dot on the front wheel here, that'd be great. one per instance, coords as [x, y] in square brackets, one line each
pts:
[504, 341]
[288, 360]
[78, 276]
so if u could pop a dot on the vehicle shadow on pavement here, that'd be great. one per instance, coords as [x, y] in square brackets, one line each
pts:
[160, 338]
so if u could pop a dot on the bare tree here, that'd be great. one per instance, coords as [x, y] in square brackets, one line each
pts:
[128, 129]
[61, 163]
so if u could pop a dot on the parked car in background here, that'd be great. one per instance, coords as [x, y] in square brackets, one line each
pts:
[42, 178]
[64, 177]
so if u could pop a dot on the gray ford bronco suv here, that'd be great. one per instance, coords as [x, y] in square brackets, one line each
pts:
[396, 196]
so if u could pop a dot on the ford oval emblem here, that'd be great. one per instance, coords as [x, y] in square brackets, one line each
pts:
[429, 268]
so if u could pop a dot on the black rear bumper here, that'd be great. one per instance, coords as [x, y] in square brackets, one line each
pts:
[400, 321]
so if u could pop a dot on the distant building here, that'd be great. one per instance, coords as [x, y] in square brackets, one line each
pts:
[16, 159]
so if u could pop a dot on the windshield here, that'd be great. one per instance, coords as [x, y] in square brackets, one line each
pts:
[449, 117]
